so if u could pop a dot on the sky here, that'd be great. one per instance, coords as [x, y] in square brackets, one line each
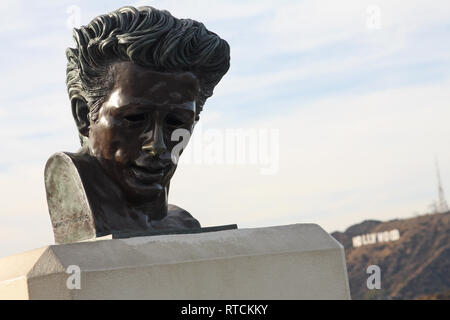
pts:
[347, 103]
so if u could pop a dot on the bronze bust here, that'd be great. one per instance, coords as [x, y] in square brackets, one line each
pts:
[135, 76]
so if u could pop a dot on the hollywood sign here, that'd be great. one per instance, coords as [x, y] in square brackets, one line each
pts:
[371, 238]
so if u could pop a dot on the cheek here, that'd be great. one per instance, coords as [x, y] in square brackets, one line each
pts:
[110, 140]
[103, 139]
[125, 146]
[99, 140]
[121, 148]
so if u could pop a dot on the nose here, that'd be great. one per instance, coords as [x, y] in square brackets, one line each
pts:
[153, 148]
[156, 146]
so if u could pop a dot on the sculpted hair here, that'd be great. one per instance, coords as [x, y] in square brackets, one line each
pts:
[150, 38]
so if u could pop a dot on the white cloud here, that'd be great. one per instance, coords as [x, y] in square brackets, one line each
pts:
[210, 10]
[13, 20]
[308, 24]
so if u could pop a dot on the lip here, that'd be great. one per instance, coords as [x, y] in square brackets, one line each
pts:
[147, 174]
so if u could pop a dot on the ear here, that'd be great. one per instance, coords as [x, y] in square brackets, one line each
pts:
[80, 112]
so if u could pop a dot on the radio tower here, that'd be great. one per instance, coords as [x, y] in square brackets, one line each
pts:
[442, 205]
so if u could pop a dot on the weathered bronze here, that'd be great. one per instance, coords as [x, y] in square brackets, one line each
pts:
[135, 77]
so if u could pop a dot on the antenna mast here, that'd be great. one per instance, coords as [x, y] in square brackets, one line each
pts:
[442, 205]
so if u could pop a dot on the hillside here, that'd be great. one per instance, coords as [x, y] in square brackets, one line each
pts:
[415, 266]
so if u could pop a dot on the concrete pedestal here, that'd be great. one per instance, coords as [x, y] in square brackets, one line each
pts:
[299, 261]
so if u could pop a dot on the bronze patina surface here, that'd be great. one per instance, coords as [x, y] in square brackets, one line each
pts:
[134, 78]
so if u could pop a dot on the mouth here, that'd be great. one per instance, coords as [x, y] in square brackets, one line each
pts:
[146, 174]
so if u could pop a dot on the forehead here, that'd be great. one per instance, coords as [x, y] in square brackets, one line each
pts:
[159, 87]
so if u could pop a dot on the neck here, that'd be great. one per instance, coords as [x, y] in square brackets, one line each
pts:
[154, 209]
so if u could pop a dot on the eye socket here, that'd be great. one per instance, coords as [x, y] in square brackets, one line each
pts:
[174, 121]
[138, 117]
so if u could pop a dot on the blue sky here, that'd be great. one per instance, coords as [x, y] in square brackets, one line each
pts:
[361, 109]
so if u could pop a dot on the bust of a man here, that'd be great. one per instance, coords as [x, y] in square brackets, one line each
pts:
[134, 78]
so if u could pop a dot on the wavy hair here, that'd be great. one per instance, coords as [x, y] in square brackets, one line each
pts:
[150, 38]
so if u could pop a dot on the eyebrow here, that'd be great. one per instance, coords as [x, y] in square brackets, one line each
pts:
[143, 103]
[188, 106]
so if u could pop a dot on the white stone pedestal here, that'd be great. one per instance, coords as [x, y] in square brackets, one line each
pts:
[299, 261]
